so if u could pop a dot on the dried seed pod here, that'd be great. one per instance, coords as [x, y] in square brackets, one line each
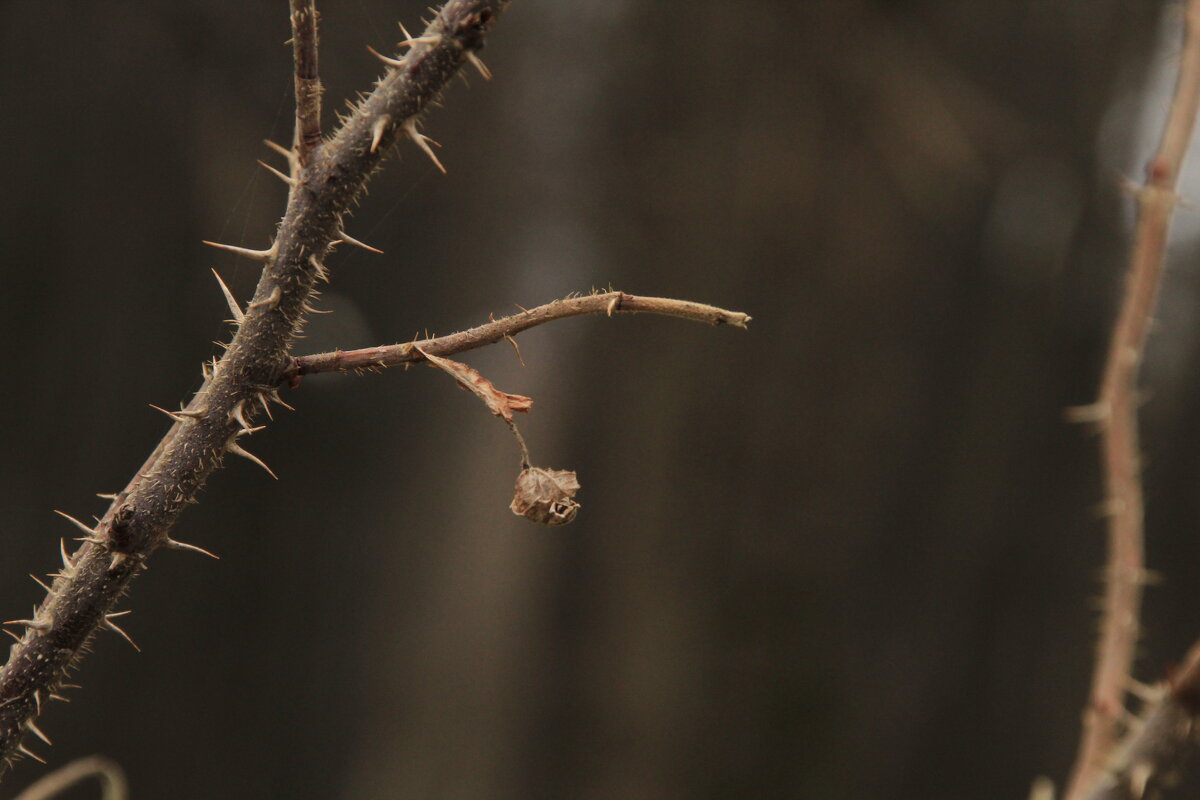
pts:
[545, 496]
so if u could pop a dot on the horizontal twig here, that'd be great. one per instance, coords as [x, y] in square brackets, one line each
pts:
[609, 303]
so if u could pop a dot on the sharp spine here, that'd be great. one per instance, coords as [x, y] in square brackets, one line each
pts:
[23, 749]
[66, 559]
[259, 255]
[238, 316]
[236, 449]
[30, 623]
[171, 544]
[112, 626]
[41, 583]
[378, 129]
[35, 730]
[75, 522]
[288, 179]
[391, 62]
[422, 141]
[271, 301]
[348, 239]
[478, 64]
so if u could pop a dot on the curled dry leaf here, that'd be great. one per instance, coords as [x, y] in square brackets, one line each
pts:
[545, 496]
[501, 403]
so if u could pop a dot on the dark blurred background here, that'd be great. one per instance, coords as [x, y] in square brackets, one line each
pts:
[851, 553]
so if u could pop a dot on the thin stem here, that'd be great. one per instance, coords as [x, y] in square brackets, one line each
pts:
[141, 516]
[308, 84]
[1116, 410]
[112, 779]
[609, 303]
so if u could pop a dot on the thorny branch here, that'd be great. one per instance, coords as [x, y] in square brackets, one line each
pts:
[609, 303]
[1116, 412]
[82, 598]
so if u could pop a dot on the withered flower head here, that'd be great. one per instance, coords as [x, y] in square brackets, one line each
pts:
[545, 496]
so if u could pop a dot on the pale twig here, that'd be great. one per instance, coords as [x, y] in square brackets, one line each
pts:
[1116, 412]
[112, 779]
[609, 303]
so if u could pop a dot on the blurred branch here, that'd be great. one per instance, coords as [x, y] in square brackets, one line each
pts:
[84, 593]
[1116, 412]
[112, 779]
[609, 303]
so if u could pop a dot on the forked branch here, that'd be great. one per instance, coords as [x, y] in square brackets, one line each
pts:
[325, 183]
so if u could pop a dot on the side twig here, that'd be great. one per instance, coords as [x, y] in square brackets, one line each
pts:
[81, 600]
[609, 303]
[1116, 412]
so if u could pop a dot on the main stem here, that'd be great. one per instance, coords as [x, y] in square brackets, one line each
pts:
[141, 516]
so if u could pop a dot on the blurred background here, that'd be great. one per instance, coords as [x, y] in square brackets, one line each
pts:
[850, 553]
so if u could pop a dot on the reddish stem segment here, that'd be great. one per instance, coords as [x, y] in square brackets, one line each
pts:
[1116, 410]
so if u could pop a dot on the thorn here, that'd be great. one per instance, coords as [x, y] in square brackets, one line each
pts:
[35, 730]
[262, 399]
[248, 431]
[172, 414]
[260, 255]
[237, 414]
[516, 348]
[422, 141]
[75, 522]
[59, 697]
[271, 302]
[171, 544]
[22, 748]
[112, 626]
[237, 449]
[478, 64]
[348, 239]
[116, 560]
[322, 273]
[377, 130]
[290, 155]
[288, 179]
[391, 62]
[10, 633]
[66, 559]
[106, 496]
[613, 305]
[429, 38]
[29, 623]
[41, 583]
[37, 704]
[238, 316]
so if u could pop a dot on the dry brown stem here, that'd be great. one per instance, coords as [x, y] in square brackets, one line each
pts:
[609, 303]
[1116, 411]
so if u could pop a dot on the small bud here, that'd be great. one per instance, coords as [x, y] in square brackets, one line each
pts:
[545, 496]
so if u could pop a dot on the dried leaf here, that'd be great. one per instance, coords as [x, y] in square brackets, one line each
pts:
[501, 403]
[545, 496]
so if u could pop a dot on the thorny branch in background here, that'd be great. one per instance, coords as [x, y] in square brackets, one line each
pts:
[1095, 774]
